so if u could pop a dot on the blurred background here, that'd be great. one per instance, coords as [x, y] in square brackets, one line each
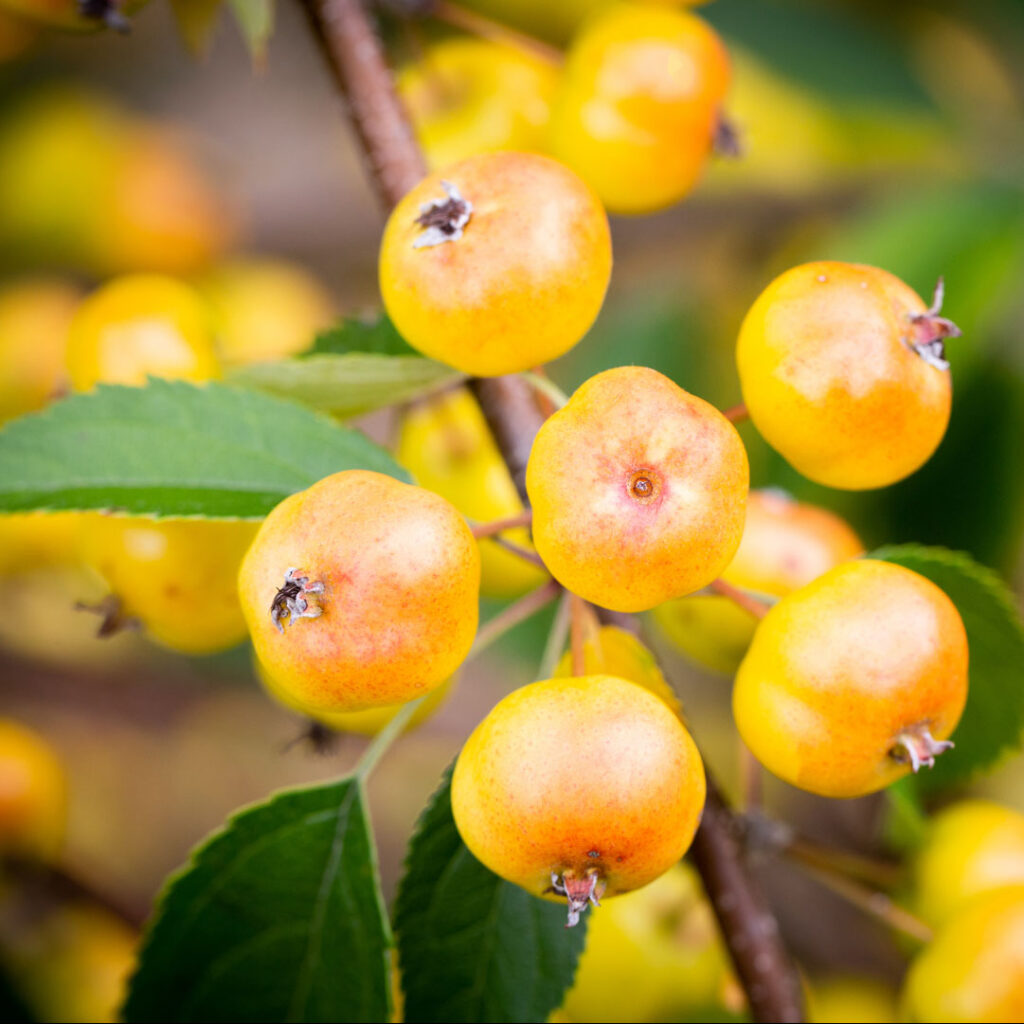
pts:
[884, 133]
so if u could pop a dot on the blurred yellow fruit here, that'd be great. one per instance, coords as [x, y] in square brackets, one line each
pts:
[33, 793]
[469, 96]
[368, 722]
[972, 847]
[84, 184]
[35, 314]
[264, 309]
[177, 576]
[555, 21]
[446, 445]
[785, 544]
[612, 651]
[650, 954]
[138, 326]
[75, 963]
[972, 972]
[842, 999]
[37, 540]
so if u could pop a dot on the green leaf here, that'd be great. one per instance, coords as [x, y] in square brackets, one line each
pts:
[472, 946]
[256, 21]
[175, 449]
[993, 719]
[348, 385]
[196, 21]
[377, 336]
[278, 917]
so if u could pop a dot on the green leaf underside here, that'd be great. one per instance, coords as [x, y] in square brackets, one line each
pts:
[376, 335]
[175, 449]
[993, 719]
[472, 946]
[350, 384]
[278, 917]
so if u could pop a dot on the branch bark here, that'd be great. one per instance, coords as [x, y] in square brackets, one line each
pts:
[356, 57]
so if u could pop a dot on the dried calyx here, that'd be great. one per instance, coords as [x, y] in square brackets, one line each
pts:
[930, 331]
[291, 601]
[919, 747]
[105, 11]
[579, 892]
[443, 218]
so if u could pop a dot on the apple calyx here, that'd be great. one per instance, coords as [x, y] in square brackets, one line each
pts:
[930, 331]
[291, 601]
[919, 747]
[443, 218]
[579, 892]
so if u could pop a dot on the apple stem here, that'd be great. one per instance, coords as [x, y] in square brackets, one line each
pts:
[511, 616]
[555, 644]
[494, 31]
[481, 530]
[546, 387]
[737, 413]
[520, 552]
[759, 609]
[577, 634]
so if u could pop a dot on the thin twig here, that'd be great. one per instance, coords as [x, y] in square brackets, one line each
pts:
[519, 551]
[872, 902]
[737, 414]
[555, 644]
[577, 634]
[513, 615]
[523, 518]
[879, 873]
[476, 24]
[759, 609]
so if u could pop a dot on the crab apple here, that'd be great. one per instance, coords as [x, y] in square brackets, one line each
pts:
[35, 315]
[33, 793]
[497, 264]
[445, 443]
[973, 846]
[361, 591]
[469, 95]
[973, 970]
[640, 103]
[651, 954]
[138, 326]
[177, 577]
[264, 309]
[579, 788]
[853, 680]
[843, 371]
[786, 544]
[638, 490]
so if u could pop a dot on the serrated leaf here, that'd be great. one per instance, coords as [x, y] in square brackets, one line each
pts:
[472, 946]
[348, 385]
[256, 21]
[278, 917]
[175, 449]
[196, 21]
[993, 719]
[377, 336]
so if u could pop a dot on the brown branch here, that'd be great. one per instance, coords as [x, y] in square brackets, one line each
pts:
[508, 404]
[749, 929]
[353, 52]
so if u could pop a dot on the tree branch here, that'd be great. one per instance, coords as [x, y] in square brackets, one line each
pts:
[357, 60]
